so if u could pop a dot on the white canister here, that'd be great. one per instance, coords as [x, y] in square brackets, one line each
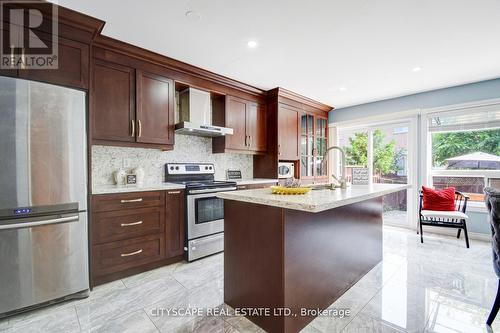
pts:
[120, 177]
[139, 173]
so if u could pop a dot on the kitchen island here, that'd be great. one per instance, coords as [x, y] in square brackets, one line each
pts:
[298, 253]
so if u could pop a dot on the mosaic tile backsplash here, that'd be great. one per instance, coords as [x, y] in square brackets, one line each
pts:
[106, 160]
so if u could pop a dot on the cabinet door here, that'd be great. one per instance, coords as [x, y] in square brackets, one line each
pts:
[73, 65]
[321, 143]
[175, 223]
[236, 109]
[155, 109]
[113, 96]
[306, 146]
[256, 127]
[288, 133]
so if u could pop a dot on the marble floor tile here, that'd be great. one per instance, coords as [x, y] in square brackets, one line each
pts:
[152, 275]
[130, 323]
[200, 272]
[437, 286]
[365, 324]
[458, 315]
[62, 320]
[120, 302]
[402, 306]
[353, 300]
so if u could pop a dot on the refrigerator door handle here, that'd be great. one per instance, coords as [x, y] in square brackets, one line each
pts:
[72, 218]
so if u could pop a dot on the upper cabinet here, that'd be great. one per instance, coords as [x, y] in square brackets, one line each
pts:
[71, 57]
[296, 132]
[155, 109]
[248, 121]
[113, 98]
[131, 106]
[288, 133]
[313, 144]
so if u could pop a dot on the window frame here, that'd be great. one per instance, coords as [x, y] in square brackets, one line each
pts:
[426, 149]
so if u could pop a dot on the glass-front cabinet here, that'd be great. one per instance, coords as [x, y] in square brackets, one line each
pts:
[313, 144]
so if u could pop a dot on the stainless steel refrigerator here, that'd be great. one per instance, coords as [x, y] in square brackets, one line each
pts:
[43, 194]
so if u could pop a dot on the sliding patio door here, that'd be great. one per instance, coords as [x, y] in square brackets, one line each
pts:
[387, 151]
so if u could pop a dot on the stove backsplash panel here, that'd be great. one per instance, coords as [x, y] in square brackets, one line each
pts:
[106, 160]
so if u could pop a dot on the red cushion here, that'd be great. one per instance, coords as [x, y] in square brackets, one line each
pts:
[443, 200]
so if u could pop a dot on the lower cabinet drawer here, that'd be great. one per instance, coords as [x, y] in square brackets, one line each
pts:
[119, 201]
[117, 256]
[126, 224]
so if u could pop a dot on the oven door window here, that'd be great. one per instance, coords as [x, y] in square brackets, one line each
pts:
[208, 209]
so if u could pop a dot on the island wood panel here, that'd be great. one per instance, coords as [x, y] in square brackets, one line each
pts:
[276, 257]
[253, 259]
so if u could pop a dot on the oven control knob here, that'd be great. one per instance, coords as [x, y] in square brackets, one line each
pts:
[171, 168]
[206, 168]
[176, 168]
[210, 168]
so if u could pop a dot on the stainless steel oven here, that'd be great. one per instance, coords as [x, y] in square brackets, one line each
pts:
[204, 211]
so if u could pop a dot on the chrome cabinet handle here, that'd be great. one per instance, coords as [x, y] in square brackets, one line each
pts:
[139, 125]
[250, 141]
[131, 253]
[130, 200]
[246, 140]
[131, 224]
[174, 192]
[279, 149]
[132, 122]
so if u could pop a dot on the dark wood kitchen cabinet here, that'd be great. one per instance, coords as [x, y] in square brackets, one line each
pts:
[155, 100]
[288, 133]
[73, 65]
[113, 98]
[175, 212]
[248, 121]
[134, 232]
[131, 106]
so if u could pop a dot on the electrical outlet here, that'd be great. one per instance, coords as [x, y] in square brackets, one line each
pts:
[126, 162]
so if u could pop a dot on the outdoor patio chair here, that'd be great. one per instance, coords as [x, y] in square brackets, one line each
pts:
[449, 219]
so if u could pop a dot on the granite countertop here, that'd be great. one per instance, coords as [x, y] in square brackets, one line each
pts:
[109, 189]
[316, 200]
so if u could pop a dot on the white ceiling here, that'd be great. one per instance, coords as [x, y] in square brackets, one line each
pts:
[316, 47]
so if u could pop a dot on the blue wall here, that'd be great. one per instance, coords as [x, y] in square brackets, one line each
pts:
[478, 91]
[448, 96]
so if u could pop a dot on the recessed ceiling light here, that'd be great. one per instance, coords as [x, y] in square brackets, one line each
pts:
[252, 44]
[417, 69]
[193, 15]
[342, 89]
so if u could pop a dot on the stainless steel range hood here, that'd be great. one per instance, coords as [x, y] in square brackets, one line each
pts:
[195, 115]
[189, 128]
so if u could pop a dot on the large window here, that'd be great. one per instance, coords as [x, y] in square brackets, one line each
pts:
[465, 150]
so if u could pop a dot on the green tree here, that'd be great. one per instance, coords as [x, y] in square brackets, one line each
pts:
[383, 153]
[447, 145]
